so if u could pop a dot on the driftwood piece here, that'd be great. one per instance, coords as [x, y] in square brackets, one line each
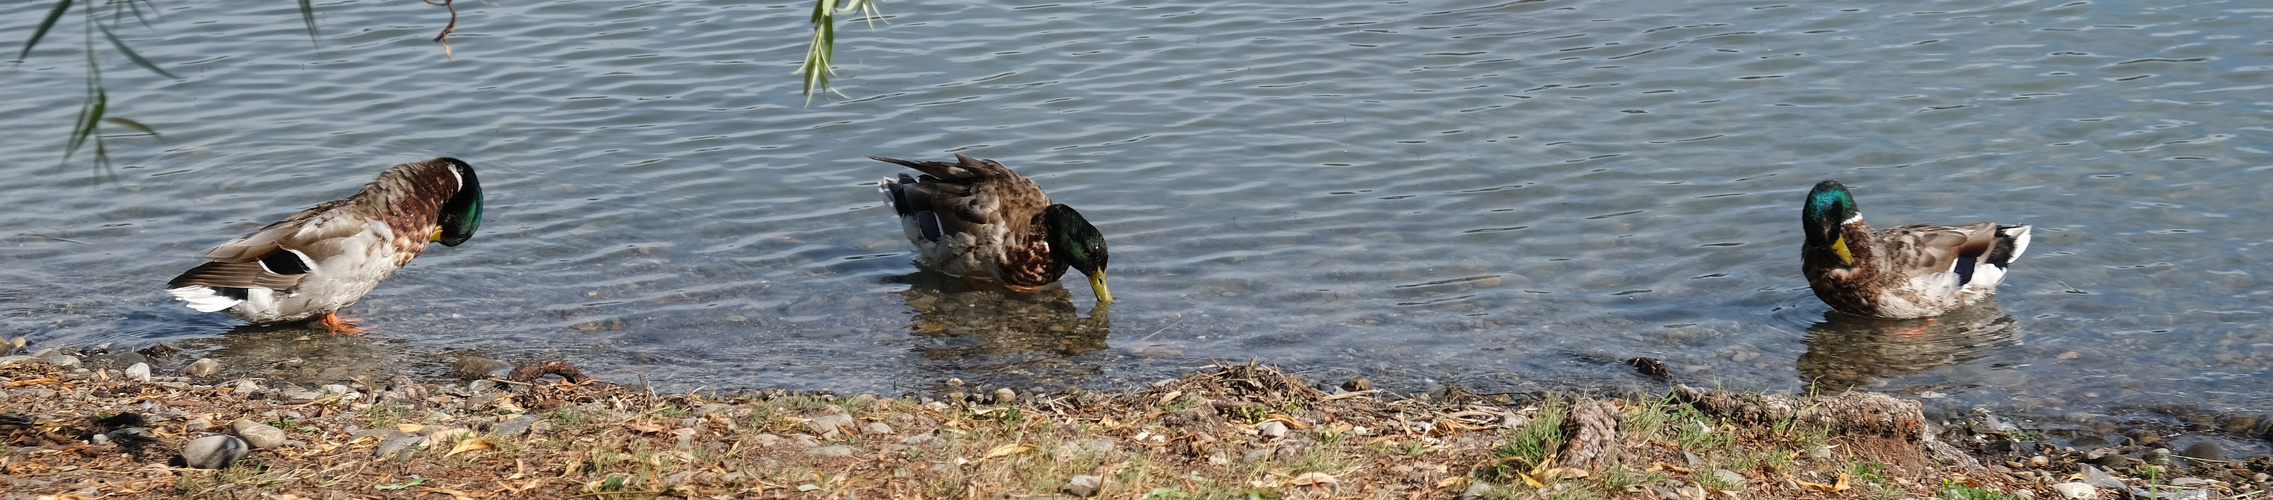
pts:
[1593, 428]
[1847, 413]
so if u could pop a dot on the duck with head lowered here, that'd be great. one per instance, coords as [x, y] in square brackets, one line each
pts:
[325, 258]
[1913, 271]
[977, 220]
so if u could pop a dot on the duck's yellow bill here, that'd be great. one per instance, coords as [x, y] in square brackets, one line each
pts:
[1097, 283]
[437, 236]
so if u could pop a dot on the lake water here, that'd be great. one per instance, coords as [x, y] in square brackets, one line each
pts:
[1495, 197]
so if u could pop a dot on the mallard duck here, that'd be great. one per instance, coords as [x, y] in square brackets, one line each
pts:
[977, 220]
[325, 258]
[1912, 271]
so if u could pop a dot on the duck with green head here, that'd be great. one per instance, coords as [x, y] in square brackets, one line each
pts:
[325, 258]
[1912, 271]
[977, 220]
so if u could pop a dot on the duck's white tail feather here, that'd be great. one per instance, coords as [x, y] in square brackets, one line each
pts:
[203, 298]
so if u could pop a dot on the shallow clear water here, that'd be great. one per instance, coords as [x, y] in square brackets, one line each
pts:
[1500, 197]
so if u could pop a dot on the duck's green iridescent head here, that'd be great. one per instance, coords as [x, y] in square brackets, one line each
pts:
[461, 216]
[1079, 244]
[1828, 206]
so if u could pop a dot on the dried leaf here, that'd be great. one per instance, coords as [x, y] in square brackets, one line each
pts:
[410, 428]
[1314, 479]
[1008, 449]
[1841, 485]
[474, 444]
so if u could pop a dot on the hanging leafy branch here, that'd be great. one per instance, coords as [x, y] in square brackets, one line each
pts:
[94, 109]
[816, 69]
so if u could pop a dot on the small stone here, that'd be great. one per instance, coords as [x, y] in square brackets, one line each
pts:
[2039, 461]
[1271, 429]
[1005, 395]
[2205, 450]
[199, 424]
[213, 452]
[10, 360]
[2101, 479]
[249, 387]
[257, 434]
[2075, 491]
[331, 389]
[203, 368]
[879, 428]
[686, 437]
[954, 382]
[514, 427]
[139, 372]
[399, 448]
[1255, 455]
[1083, 486]
[1101, 445]
[1735, 481]
[1476, 490]
[918, 440]
[767, 439]
[831, 451]
[61, 360]
[826, 425]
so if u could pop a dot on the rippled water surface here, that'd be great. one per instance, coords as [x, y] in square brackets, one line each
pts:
[1501, 197]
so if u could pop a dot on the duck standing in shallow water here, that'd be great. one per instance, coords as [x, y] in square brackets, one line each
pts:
[977, 220]
[1912, 271]
[325, 258]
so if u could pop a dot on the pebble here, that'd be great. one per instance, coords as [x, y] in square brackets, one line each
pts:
[329, 389]
[198, 424]
[2076, 491]
[1271, 429]
[879, 428]
[1083, 486]
[767, 439]
[2205, 450]
[139, 372]
[257, 434]
[1255, 455]
[831, 451]
[514, 427]
[1735, 481]
[826, 425]
[10, 360]
[1005, 395]
[399, 448]
[2101, 479]
[1101, 445]
[203, 368]
[213, 452]
[61, 360]
[1475, 491]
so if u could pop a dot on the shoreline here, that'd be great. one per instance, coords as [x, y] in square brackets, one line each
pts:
[1220, 432]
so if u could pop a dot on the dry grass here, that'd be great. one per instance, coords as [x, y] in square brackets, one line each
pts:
[1199, 436]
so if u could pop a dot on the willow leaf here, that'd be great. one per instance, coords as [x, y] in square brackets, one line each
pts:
[92, 114]
[131, 55]
[308, 15]
[128, 123]
[61, 6]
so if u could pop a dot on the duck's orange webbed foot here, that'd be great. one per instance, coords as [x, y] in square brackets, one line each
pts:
[333, 324]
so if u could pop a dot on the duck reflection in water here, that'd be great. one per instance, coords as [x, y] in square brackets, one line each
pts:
[961, 322]
[1845, 351]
